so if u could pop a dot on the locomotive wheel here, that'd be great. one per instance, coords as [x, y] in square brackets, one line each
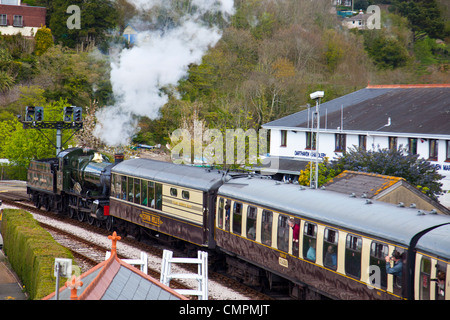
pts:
[71, 213]
[90, 219]
[109, 223]
[81, 215]
[36, 201]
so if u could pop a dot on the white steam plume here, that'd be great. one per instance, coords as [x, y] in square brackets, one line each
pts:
[159, 58]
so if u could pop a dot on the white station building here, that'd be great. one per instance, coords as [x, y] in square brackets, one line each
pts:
[416, 117]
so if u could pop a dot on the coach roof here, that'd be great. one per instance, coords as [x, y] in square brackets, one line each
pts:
[180, 175]
[378, 219]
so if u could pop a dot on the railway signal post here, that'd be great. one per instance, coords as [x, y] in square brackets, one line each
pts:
[72, 119]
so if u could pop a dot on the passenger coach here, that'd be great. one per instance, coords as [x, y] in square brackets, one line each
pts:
[162, 198]
[341, 242]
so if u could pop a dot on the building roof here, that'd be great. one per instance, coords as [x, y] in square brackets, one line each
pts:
[369, 184]
[415, 109]
[374, 186]
[113, 279]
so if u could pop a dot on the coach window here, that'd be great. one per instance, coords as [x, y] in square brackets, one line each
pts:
[130, 189]
[378, 252]
[309, 241]
[353, 246]
[424, 282]
[144, 191]
[283, 233]
[220, 213]
[124, 188]
[185, 194]
[151, 194]
[158, 196]
[251, 222]
[237, 218]
[441, 269]
[330, 242]
[113, 186]
[137, 190]
[173, 192]
[266, 227]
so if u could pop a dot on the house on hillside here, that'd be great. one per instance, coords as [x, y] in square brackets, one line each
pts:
[358, 21]
[416, 117]
[16, 18]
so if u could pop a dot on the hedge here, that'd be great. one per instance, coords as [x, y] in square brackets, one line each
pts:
[31, 250]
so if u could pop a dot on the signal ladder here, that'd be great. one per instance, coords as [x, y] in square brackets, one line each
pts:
[201, 276]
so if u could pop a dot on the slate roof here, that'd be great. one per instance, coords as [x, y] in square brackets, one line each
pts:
[113, 279]
[374, 185]
[359, 183]
[416, 109]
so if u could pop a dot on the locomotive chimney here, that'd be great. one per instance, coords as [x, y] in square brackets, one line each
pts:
[118, 157]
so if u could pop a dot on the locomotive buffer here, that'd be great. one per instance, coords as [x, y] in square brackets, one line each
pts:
[34, 117]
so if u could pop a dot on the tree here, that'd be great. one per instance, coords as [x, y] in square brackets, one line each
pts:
[424, 16]
[96, 18]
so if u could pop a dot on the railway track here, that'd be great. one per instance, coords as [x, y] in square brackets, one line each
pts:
[89, 253]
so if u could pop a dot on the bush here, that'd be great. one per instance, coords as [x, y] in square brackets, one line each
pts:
[31, 251]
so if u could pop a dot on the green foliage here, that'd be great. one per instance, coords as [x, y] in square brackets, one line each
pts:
[424, 16]
[31, 251]
[97, 17]
[44, 40]
[21, 146]
[387, 53]
[397, 163]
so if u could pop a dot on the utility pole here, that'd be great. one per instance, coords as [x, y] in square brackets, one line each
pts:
[34, 119]
[314, 168]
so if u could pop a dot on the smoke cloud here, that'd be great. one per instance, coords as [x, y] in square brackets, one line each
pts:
[159, 59]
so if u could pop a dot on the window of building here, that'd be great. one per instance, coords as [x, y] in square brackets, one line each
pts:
[283, 142]
[330, 247]
[447, 150]
[309, 241]
[340, 140]
[392, 143]
[220, 213]
[412, 145]
[185, 195]
[353, 245]
[18, 21]
[266, 226]
[433, 150]
[251, 222]
[3, 20]
[362, 141]
[237, 218]
[311, 140]
[283, 233]
[378, 252]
